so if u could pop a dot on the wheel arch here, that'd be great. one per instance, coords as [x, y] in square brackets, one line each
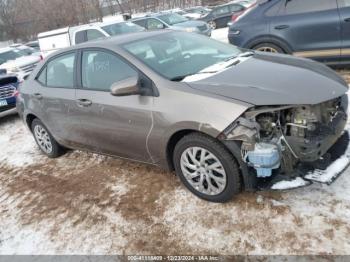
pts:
[272, 40]
[29, 120]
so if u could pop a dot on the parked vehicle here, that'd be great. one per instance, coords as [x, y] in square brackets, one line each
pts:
[221, 15]
[34, 44]
[168, 20]
[187, 102]
[313, 29]
[61, 38]
[17, 62]
[26, 50]
[198, 10]
[8, 93]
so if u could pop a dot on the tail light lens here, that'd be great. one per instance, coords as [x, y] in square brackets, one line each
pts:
[16, 93]
[236, 16]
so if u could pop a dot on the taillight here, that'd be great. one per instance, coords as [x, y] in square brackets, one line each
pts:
[236, 15]
[16, 93]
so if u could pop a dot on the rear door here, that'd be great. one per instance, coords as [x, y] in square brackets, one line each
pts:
[109, 124]
[311, 28]
[344, 11]
[222, 15]
[54, 96]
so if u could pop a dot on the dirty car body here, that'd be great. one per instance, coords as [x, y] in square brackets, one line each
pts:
[211, 111]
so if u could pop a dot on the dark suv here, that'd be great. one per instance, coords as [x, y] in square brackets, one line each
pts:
[317, 29]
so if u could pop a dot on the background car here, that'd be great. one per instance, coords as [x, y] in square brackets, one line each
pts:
[8, 93]
[34, 44]
[61, 38]
[18, 62]
[168, 20]
[314, 29]
[197, 11]
[221, 15]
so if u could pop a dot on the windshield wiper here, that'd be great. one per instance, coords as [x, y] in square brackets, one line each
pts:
[180, 78]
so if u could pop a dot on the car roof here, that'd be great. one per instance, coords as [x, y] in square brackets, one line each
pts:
[113, 41]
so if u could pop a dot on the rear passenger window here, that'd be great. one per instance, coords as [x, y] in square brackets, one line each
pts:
[93, 34]
[80, 37]
[302, 6]
[60, 71]
[101, 69]
[222, 10]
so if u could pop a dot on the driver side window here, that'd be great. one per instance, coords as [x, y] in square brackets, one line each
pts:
[102, 69]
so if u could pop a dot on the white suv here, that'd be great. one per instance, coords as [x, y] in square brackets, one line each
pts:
[15, 61]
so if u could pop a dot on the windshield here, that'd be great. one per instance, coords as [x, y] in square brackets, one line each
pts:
[10, 55]
[176, 55]
[122, 28]
[172, 19]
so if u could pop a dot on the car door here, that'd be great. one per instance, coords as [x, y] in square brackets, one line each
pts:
[55, 96]
[344, 11]
[311, 28]
[110, 124]
[222, 15]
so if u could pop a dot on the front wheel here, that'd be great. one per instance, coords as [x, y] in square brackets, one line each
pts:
[206, 168]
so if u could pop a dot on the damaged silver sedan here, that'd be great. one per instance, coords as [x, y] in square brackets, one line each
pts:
[223, 118]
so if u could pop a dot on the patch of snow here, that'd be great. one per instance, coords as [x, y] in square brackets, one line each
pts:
[283, 185]
[17, 145]
[220, 34]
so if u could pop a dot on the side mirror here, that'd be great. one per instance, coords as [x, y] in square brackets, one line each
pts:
[126, 87]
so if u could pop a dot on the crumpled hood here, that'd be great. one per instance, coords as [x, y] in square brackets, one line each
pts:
[266, 79]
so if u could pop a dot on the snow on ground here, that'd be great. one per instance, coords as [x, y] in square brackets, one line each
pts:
[84, 203]
[220, 34]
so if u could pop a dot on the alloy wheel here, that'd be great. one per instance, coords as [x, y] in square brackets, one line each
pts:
[43, 139]
[203, 171]
[267, 49]
[212, 25]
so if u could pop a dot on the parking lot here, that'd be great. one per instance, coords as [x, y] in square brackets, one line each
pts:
[84, 203]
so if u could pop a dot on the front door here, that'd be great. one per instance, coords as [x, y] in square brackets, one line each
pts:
[311, 28]
[344, 11]
[109, 124]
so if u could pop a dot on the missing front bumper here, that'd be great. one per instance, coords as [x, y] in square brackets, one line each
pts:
[340, 161]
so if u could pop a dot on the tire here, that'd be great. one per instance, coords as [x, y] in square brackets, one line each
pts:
[46, 143]
[270, 48]
[226, 182]
[212, 25]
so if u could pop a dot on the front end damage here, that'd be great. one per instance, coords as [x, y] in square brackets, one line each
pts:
[283, 147]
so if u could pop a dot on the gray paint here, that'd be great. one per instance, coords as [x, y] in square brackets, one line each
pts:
[139, 127]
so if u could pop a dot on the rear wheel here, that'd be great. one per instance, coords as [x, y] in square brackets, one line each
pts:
[47, 144]
[206, 168]
[212, 25]
[269, 48]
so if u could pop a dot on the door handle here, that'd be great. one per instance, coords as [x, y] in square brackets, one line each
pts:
[38, 96]
[281, 27]
[347, 19]
[84, 102]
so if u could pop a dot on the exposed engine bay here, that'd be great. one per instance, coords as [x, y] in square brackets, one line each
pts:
[278, 139]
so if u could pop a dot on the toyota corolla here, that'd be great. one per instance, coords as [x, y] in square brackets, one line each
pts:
[225, 119]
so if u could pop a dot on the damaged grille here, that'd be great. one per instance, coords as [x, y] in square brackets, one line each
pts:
[7, 91]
